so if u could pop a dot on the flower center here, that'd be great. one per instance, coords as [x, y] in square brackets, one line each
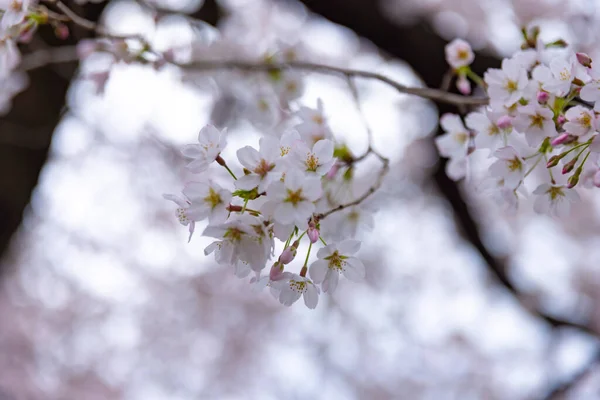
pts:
[336, 262]
[284, 150]
[461, 137]
[515, 164]
[294, 197]
[263, 168]
[182, 217]
[298, 286]
[537, 120]
[213, 198]
[312, 162]
[511, 86]
[463, 54]
[233, 234]
[555, 192]
[585, 120]
[564, 75]
[318, 119]
[493, 130]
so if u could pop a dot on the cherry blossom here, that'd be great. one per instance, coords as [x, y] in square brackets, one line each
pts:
[317, 160]
[293, 199]
[336, 259]
[459, 53]
[313, 126]
[182, 212]
[261, 165]
[510, 166]
[211, 143]
[581, 121]
[554, 199]
[289, 289]
[237, 243]
[208, 200]
[507, 85]
[536, 122]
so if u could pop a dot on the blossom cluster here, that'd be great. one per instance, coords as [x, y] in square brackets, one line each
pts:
[289, 184]
[540, 127]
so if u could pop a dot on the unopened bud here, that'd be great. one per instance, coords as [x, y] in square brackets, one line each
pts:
[276, 272]
[573, 181]
[504, 122]
[569, 166]
[561, 119]
[61, 31]
[553, 161]
[313, 234]
[220, 161]
[584, 59]
[333, 171]
[560, 139]
[288, 255]
[577, 90]
[542, 97]
[463, 85]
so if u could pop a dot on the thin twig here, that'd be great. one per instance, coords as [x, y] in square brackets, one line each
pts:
[428, 93]
[384, 161]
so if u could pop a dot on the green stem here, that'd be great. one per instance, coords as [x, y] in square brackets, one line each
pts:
[475, 78]
[244, 207]
[533, 167]
[322, 241]
[230, 172]
[305, 268]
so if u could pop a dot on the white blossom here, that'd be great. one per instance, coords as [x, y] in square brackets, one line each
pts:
[507, 85]
[554, 199]
[289, 289]
[580, 121]
[211, 143]
[317, 160]
[336, 259]
[261, 164]
[209, 200]
[536, 122]
[459, 53]
[509, 167]
[293, 200]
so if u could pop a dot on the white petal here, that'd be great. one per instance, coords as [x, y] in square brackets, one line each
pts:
[318, 270]
[355, 269]
[249, 157]
[311, 297]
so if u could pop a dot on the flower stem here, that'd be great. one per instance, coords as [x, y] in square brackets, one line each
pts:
[322, 241]
[533, 167]
[230, 172]
[245, 204]
[305, 268]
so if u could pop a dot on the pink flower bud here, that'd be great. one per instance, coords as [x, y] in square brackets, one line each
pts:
[561, 119]
[504, 122]
[584, 60]
[596, 179]
[313, 234]
[334, 169]
[542, 97]
[463, 85]
[61, 31]
[288, 255]
[276, 272]
[560, 139]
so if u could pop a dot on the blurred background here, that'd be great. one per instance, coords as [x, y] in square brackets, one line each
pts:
[101, 296]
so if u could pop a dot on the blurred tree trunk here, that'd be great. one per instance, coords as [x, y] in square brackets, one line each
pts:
[26, 132]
